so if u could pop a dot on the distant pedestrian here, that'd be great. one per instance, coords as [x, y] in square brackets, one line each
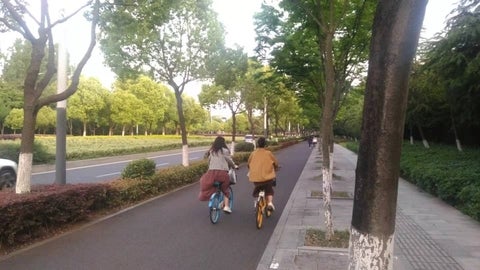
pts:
[310, 141]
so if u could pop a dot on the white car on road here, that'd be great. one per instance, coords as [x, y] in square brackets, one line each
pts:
[8, 173]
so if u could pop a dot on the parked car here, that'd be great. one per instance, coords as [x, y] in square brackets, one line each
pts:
[249, 138]
[8, 173]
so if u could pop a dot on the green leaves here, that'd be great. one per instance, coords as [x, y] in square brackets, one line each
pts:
[444, 86]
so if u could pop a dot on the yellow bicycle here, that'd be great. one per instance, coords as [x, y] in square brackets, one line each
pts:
[261, 208]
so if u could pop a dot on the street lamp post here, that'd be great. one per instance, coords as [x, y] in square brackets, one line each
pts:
[61, 131]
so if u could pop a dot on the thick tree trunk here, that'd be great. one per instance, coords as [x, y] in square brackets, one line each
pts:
[327, 131]
[396, 30]
[25, 160]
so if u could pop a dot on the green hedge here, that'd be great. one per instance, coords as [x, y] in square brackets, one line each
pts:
[443, 171]
[47, 207]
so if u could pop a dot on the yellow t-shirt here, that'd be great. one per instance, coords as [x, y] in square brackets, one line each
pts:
[262, 164]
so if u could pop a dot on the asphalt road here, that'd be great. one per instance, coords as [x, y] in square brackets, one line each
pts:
[170, 232]
[106, 169]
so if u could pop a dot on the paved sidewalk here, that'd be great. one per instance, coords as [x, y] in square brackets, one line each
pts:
[429, 233]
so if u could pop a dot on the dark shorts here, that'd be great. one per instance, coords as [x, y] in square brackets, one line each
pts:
[267, 186]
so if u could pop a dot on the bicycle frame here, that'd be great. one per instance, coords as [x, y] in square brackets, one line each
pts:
[261, 208]
[215, 204]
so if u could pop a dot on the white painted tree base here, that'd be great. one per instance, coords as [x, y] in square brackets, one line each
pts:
[185, 155]
[369, 252]
[24, 176]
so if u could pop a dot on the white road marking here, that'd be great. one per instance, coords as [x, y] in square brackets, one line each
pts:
[108, 174]
[117, 162]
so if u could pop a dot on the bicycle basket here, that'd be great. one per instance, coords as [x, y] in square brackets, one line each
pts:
[233, 176]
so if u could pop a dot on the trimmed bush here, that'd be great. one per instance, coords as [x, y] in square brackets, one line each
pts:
[244, 147]
[142, 168]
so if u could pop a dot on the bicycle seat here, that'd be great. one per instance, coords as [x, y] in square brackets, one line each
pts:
[217, 184]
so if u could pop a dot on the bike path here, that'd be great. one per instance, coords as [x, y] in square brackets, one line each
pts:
[172, 231]
[430, 234]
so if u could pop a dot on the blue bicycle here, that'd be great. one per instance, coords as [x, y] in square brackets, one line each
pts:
[215, 204]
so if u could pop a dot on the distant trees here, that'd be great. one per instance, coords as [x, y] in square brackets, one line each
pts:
[88, 103]
[445, 91]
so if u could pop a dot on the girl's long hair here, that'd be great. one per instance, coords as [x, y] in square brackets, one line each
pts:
[217, 145]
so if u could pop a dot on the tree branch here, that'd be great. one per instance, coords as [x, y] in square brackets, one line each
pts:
[76, 74]
[18, 18]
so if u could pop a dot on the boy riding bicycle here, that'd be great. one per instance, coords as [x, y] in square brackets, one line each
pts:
[262, 165]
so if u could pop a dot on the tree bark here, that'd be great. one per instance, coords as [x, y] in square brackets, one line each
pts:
[396, 30]
[25, 160]
[183, 128]
[327, 120]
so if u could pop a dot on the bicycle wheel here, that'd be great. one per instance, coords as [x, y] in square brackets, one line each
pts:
[231, 198]
[214, 208]
[259, 212]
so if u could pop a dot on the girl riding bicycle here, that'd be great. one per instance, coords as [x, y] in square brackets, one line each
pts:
[262, 165]
[219, 162]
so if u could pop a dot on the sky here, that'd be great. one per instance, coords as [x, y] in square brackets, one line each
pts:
[236, 15]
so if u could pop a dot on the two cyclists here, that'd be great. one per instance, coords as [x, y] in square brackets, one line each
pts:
[262, 165]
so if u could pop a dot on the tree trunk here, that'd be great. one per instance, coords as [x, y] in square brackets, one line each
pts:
[265, 122]
[396, 30]
[25, 160]
[422, 135]
[411, 134]
[250, 120]
[84, 134]
[327, 131]
[234, 132]
[457, 140]
[183, 128]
